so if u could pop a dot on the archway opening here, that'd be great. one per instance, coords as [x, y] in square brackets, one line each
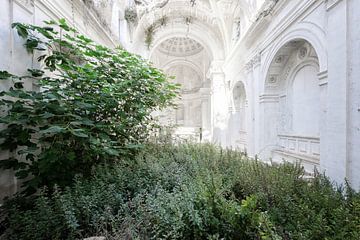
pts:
[187, 61]
[291, 105]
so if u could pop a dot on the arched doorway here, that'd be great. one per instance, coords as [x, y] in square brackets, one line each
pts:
[186, 60]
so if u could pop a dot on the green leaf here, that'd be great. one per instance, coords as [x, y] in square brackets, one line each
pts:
[5, 75]
[18, 85]
[8, 163]
[21, 29]
[31, 44]
[42, 57]
[111, 151]
[51, 22]
[79, 133]
[36, 72]
[53, 130]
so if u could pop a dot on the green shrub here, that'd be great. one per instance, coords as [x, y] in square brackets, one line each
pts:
[190, 192]
[94, 106]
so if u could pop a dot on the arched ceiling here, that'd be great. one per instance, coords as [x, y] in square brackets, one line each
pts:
[213, 18]
[180, 46]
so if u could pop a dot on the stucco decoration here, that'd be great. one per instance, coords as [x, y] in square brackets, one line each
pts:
[180, 46]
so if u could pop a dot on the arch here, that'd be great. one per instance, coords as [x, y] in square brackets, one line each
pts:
[291, 101]
[187, 63]
[190, 79]
[298, 67]
[303, 31]
[314, 107]
[200, 34]
[199, 31]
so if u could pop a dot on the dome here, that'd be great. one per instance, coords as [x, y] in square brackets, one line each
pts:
[180, 46]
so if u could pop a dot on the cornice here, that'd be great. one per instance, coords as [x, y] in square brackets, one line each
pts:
[246, 42]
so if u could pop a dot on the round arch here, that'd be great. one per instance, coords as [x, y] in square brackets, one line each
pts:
[177, 62]
[304, 31]
[297, 68]
[199, 31]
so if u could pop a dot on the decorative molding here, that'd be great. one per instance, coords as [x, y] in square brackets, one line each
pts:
[273, 79]
[248, 67]
[269, 98]
[27, 5]
[256, 60]
[253, 63]
[303, 53]
[302, 147]
[330, 4]
[323, 78]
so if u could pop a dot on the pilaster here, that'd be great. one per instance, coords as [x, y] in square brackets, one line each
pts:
[219, 108]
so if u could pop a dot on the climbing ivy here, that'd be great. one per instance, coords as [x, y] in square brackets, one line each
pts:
[94, 106]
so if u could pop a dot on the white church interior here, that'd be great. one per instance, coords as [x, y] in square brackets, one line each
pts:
[278, 79]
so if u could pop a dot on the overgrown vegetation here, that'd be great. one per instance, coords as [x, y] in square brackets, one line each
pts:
[94, 106]
[151, 29]
[130, 15]
[190, 192]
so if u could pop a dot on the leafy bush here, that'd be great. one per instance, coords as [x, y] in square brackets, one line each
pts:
[94, 106]
[190, 192]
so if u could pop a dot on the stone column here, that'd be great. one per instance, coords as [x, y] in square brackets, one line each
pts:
[258, 114]
[219, 108]
[206, 115]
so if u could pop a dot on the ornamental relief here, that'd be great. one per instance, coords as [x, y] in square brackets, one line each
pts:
[254, 62]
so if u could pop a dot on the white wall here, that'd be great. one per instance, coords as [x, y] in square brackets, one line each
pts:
[326, 106]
